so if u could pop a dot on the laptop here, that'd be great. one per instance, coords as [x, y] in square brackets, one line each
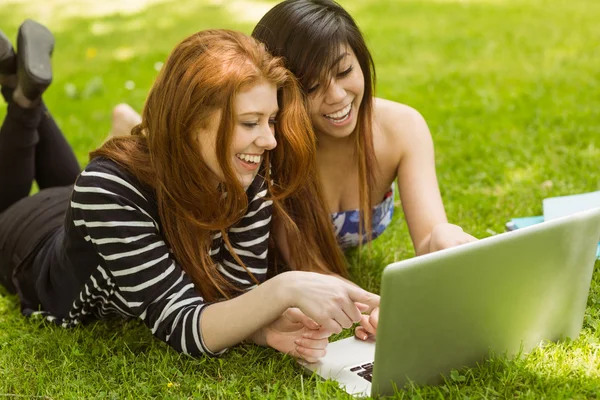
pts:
[451, 309]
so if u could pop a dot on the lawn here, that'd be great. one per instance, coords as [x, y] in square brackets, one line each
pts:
[510, 89]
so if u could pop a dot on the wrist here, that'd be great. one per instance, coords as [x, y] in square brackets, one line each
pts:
[259, 337]
[285, 289]
[424, 247]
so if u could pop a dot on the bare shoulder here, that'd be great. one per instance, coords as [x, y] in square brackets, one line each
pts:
[402, 128]
[399, 121]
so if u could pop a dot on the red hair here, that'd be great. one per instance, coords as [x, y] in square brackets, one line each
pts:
[202, 75]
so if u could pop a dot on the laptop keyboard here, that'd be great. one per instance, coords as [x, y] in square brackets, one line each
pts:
[364, 371]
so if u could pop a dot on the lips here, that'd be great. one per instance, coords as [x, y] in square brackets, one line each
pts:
[249, 158]
[340, 115]
[249, 162]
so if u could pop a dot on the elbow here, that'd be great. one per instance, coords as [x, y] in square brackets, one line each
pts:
[183, 333]
[212, 351]
[196, 351]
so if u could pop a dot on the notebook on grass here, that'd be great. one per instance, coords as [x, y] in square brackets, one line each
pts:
[556, 207]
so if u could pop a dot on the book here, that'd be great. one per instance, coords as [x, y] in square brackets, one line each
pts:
[518, 223]
[556, 207]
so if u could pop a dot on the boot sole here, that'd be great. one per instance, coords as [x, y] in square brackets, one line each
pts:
[35, 44]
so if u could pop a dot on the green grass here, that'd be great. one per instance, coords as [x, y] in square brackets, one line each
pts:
[510, 89]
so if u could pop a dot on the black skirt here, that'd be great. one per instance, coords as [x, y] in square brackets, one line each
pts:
[25, 225]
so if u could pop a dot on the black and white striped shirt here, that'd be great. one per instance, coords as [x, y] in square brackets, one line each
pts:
[110, 258]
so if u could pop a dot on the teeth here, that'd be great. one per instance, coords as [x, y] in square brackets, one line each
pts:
[249, 158]
[340, 114]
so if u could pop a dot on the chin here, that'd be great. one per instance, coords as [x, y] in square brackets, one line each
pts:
[339, 133]
[347, 132]
[246, 180]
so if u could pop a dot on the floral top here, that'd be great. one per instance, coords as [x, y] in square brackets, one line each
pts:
[346, 223]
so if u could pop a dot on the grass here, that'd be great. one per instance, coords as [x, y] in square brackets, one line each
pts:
[510, 91]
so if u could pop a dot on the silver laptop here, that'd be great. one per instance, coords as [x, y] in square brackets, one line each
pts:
[451, 309]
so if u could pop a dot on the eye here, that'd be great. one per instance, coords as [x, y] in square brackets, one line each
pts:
[250, 125]
[272, 121]
[312, 89]
[345, 73]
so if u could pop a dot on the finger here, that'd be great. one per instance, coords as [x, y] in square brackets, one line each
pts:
[352, 311]
[296, 316]
[360, 333]
[345, 321]
[317, 344]
[317, 334]
[366, 324]
[463, 241]
[310, 355]
[374, 317]
[362, 296]
[364, 308]
[326, 321]
[472, 238]
[330, 325]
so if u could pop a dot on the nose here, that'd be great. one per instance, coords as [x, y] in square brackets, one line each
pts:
[335, 93]
[266, 140]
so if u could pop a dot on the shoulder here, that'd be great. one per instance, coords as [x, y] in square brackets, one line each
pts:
[101, 165]
[105, 178]
[402, 128]
[398, 120]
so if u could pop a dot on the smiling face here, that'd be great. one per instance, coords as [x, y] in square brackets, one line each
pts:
[253, 133]
[334, 109]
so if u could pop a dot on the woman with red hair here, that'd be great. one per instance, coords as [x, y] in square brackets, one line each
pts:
[175, 224]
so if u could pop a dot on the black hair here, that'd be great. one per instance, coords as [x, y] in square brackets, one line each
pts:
[310, 35]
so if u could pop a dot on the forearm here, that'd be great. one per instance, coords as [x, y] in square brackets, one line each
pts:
[227, 323]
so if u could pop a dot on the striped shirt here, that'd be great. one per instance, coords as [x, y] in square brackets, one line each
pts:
[111, 259]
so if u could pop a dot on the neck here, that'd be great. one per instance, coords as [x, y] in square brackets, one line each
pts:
[330, 144]
[336, 153]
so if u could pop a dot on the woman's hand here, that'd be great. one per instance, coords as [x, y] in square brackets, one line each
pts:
[328, 300]
[447, 235]
[368, 325]
[295, 334]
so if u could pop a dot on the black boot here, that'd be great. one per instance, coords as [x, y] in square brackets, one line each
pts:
[8, 61]
[8, 68]
[35, 44]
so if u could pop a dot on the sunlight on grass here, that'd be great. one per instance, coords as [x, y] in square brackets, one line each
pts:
[519, 176]
[124, 53]
[244, 10]
[104, 28]
[566, 359]
[57, 10]
[51, 9]
[469, 1]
